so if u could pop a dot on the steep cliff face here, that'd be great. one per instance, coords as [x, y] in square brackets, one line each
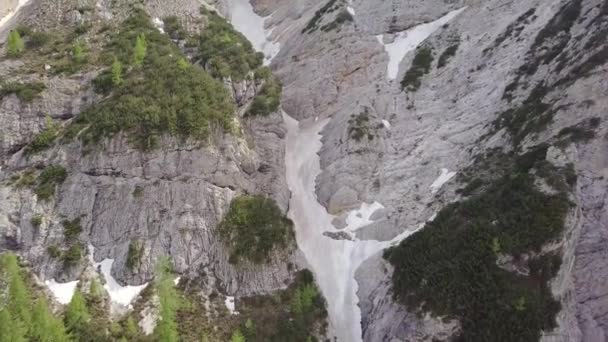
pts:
[166, 201]
[412, 98]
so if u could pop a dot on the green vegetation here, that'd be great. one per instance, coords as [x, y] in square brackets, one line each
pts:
[166, 327]
[71, 229]
[116, 72]
[174, 28]
[237, 336]
[359, 127]
[22, 319]
[314, 22]
[421, 65]
[158, 97]
[15, 43]
[26, 92]
[48, 180]
[134, 255]
[533, 115]
[450, 267]
[44, 139]
[225, 51]
[445, 57]
[77, 316]
[268, 99]
[36, 220]
[141, 48]
[72, 256]
[296, 314]
[581, 132]
[78, 55]
[254, 227]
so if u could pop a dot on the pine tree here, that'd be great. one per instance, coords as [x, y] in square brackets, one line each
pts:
[77, 315]
[116, 73]
[11, 330]
[19, 301]
[45, 327]
[183, 64]
[130, 330]
[141, 47]
[237, 336]
[15, 44]
[95, 289]
[166, 329]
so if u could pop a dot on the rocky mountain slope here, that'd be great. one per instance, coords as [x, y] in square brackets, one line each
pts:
[424, 109]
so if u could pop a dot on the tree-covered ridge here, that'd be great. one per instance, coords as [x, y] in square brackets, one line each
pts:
[158, 92]
[451, 267]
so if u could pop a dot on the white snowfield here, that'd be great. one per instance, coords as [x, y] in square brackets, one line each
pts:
[62, 292]
[230, 305]
[121, 295]
[333, 262]
[408, 40]
[251, 25]
[12, 13]
[443, 178]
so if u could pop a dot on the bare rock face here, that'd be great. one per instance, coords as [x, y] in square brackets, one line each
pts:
[169, 201]
[7, 6]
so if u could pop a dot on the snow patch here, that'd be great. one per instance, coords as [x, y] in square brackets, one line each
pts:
[408, 40]
[350, 10]
[251, 25]
[333, 262]
[176, 280]
[62, 292]
[160, 25]
[122, 295]
[443, 178]
[386, 124]
[361, 217]
[231, 305]
[12, 13]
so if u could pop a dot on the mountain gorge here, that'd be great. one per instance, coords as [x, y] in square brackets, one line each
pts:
[310, 169]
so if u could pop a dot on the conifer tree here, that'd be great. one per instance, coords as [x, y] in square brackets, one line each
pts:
[141, 47]
[78, 53]
[19, 301]
[116, 73]
[11, 330]
[45, 327]
[237, 336]
[77, 315]
[15, 44]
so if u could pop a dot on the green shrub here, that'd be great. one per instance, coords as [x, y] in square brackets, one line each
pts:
[15, 44]
[158, 97]
[174, 28]
[421, 66]
[254, 227]
[71, 229]
[445, 57]
[26, 92]
[44, 139]
[38, 39]
[134, 255]
[36, 220]
[358, 126]
[49, 178]
[225, 51]
[268, 99]
[26, 180]
[54, 251]
[73, 255]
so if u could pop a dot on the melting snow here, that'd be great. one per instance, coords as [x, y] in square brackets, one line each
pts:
[442, 179]
[12, 13]
[160, 25]
[350, 10]
[333, 262]
[386, 124]
[408, 40]
[246, 21]
[230, 305]
[360, 217]
[122, 295]
[62, 292]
